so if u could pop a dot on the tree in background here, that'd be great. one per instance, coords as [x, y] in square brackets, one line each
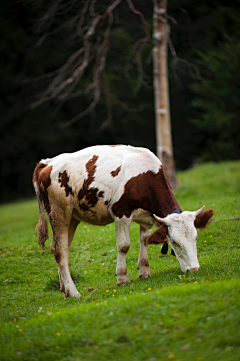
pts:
[218, 99]
[162, 107]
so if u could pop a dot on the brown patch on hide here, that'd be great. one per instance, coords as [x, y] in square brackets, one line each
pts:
[203, 218]
[107, 202]
[63, 179]
[114, 173]
[101, 194]
[149, 191]
[37, 170]
[90, 194]
[159, 236]
[115, 145]
[91, 169]
[44, 177]
[45, 180]
[83, 207]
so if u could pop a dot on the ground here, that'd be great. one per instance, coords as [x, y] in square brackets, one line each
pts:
[167, 316]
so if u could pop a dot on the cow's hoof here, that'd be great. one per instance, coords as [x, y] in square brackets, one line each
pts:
[144, 276]
[122, 280]
[75, 294]
[71, 291]
[122, 283]
[145, 273]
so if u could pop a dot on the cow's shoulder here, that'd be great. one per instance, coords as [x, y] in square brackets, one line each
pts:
[138, 161]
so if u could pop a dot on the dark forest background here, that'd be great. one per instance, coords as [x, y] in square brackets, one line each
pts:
[204, 84]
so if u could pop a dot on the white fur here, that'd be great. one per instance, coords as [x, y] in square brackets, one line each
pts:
[182, 236]
[133, 161]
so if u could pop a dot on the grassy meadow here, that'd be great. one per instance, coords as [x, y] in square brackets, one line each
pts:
[190, 317]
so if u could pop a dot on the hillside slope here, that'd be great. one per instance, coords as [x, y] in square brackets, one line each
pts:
[167, 316]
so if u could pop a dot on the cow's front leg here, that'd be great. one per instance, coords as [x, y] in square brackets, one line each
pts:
[123, 245]
[60, 250]
[143, 265]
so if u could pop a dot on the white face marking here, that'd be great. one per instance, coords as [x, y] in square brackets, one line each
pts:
[182, 236]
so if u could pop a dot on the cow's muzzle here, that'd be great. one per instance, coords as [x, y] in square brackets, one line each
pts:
[195, 269]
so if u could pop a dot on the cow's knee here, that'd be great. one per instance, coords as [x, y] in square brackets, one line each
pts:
[121, 270]
[123, 248]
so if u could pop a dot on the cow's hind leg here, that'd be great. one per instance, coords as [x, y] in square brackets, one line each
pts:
[143, 265]
[71, 231]
[60, 250]
[53, 247]
[123, 245]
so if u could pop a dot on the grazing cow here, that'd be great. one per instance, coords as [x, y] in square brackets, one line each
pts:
[121, 184]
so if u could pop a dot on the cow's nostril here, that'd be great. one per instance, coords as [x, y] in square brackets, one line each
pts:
[194, 269]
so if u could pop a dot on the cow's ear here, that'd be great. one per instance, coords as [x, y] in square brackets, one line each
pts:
[203, 218]
[159, 236]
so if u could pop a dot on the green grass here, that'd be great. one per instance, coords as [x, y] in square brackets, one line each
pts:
[188, 322]
[191, 317]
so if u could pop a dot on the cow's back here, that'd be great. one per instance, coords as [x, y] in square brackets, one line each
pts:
[90, 181]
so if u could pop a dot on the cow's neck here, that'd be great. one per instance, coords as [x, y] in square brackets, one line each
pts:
[166, 201]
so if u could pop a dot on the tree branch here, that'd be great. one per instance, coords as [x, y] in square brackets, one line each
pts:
[92, 52]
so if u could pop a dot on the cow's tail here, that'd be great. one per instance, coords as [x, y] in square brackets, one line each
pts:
[42, 226]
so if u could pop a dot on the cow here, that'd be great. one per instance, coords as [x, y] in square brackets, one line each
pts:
[117, 183]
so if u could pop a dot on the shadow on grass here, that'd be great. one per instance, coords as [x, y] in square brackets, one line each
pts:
[53, 284]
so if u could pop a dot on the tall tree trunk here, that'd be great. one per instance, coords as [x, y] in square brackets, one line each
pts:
[160, 73]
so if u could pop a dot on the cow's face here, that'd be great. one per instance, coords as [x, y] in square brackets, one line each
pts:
[181, 233]
[182, 236]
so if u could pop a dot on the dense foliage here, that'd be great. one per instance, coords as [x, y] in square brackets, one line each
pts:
[203, 86]
[218, 97]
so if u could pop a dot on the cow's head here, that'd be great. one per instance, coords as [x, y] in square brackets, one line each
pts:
[180, 231]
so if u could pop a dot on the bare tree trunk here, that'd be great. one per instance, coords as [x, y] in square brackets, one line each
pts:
[160, 74]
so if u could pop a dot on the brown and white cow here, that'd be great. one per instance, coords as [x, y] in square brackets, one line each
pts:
[121, 184]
